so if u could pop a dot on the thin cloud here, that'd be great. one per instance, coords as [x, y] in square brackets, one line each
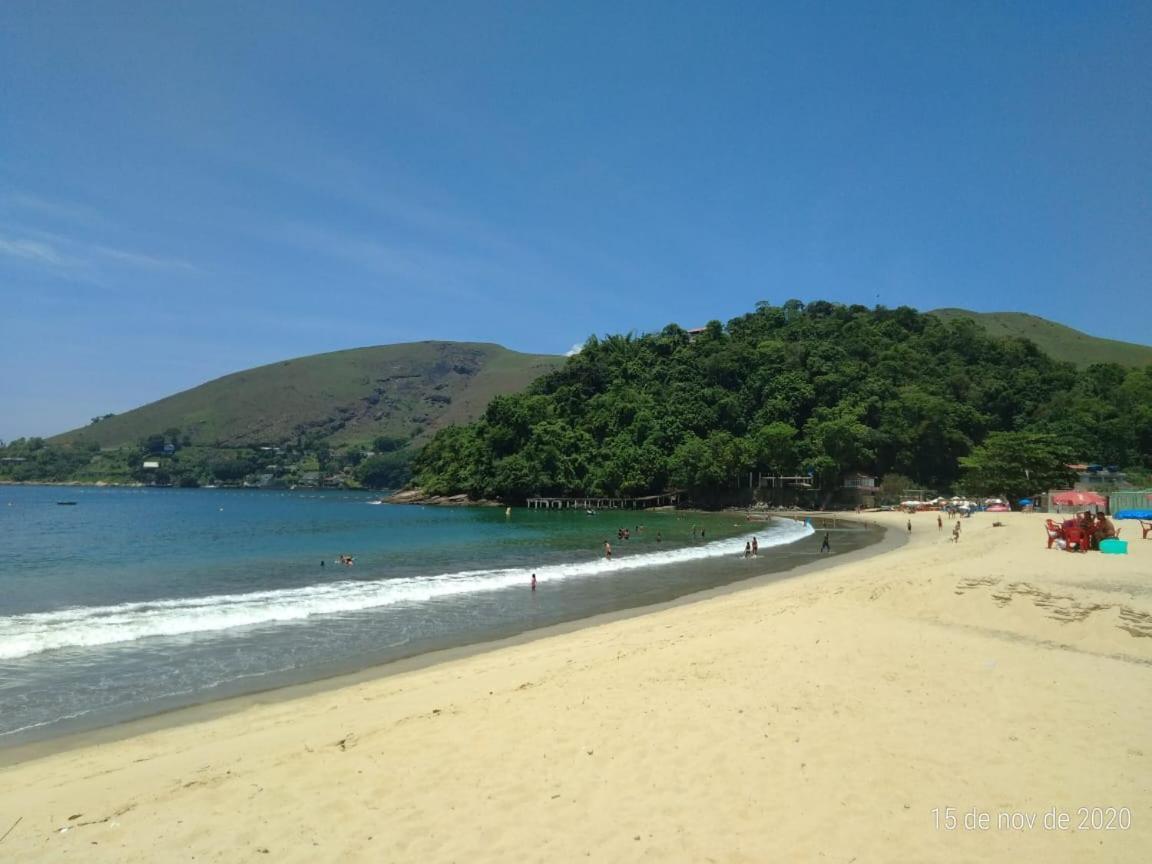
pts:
[32, 250]
[574, 350]
[137, 259]
[63, 253]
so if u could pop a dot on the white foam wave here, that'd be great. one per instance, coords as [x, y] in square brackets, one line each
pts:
[81, 627]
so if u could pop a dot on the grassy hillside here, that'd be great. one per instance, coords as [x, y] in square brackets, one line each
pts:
[1056, 340]
[407, 390]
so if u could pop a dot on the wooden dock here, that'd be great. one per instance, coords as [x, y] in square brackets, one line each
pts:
[590, 502]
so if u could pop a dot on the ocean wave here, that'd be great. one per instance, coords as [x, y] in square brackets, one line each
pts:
[89, 626]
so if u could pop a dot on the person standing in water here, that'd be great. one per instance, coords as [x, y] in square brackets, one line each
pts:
[755, 547]
[533, 581]
[748, 550]
[607, 550]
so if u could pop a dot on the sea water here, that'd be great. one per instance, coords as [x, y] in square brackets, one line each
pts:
[133, 601]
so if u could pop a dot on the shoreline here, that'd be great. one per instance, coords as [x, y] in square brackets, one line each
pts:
[212, 708]
[822, 718]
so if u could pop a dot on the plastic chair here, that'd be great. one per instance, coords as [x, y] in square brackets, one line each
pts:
[1077, 539]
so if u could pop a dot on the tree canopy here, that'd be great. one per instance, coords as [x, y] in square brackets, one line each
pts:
[818, 388]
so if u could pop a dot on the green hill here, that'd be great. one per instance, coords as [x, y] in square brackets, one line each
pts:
[407, 391]
[810, 397]
[1055, 340]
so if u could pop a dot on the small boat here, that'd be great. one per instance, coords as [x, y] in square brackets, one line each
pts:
[66, 503]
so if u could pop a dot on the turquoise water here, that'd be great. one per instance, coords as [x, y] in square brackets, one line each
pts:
[136, 600]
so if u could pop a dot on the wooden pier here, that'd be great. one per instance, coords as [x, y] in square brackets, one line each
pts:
[589, 502]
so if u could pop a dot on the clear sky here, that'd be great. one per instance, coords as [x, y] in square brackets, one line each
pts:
[189, 189]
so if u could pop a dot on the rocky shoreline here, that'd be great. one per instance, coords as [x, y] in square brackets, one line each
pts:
[419, 496]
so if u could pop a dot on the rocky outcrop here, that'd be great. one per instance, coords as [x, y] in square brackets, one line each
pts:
[419, 496]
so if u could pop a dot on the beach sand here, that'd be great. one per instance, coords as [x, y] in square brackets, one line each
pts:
[820, 718]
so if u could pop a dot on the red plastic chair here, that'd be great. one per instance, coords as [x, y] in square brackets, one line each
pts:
[1055, 532]
[1077, 539]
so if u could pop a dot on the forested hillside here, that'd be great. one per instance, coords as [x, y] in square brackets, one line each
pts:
[346, 418]
[404, 390]
[820, 388]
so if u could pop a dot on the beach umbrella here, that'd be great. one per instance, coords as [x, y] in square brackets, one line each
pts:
[999, 508]
[1024, 502]
[1072, 498]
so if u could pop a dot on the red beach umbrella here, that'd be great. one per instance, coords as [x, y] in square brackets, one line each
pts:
[1073, 498]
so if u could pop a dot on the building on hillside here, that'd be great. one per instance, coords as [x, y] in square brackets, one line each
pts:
[1095, 478]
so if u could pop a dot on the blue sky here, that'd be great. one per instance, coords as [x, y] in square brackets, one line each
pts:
[191, 189]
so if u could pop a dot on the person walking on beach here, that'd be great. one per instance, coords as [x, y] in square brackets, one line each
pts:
[939, 522]
[825, 546]
[909, 526]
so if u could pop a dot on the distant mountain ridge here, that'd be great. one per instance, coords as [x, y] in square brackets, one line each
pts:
[406, 391]
[1056, 340]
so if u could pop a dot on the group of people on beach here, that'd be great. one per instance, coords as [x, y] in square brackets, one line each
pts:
[1096, 527]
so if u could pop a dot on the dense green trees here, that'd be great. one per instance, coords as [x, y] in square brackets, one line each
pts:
[1018, 464]
[820, 389]
[384, 471]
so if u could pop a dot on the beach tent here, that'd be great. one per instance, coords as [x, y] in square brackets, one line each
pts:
[1135, 514]
[1073, 498]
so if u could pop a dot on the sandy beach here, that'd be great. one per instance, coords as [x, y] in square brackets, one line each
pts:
[835, 716]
